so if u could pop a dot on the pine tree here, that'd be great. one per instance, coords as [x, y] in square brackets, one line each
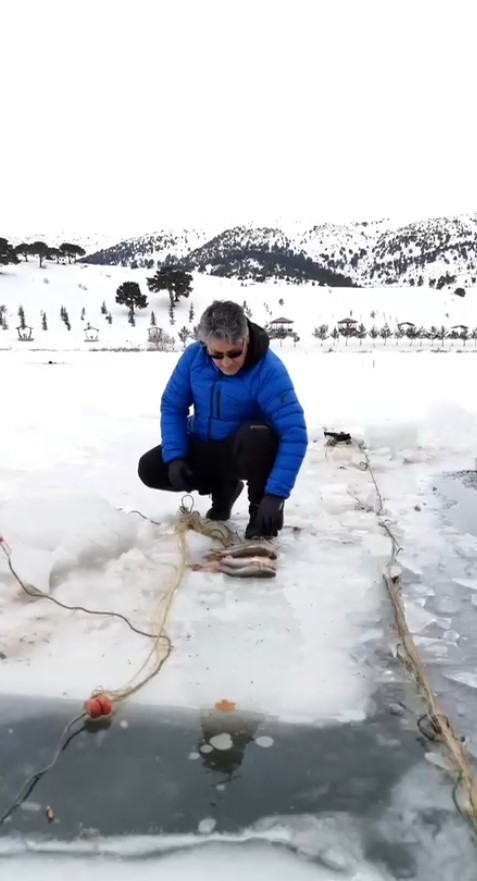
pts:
[71, 251]
[321, 332]
[153, 320]
[109, 318]
[191, 313]
[385, 333]
[7, 253]
[464, 334]
[361, 333]
[21, 315]
[175, 281]
[3, 317]
[335, 334]
[44, 322]
[21, 249]
[183, 334]
[129, 294]
[83, 314]
[66, 318]
[412, 333]
[104, 310]
[373, 332]
[40, 250]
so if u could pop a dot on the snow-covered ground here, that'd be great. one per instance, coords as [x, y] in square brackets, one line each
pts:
[83, 286]
[296, 648]
[71, 437]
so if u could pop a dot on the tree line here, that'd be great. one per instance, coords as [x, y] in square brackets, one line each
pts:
[176, 282]
[405, 329]
[67, 252]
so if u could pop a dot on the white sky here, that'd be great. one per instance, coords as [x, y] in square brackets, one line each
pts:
[132, 116]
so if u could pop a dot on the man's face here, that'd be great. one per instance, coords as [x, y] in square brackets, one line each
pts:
[231, 356]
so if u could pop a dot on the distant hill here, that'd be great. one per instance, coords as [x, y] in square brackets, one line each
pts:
[440, 252]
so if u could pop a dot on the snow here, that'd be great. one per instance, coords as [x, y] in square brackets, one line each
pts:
[68, 479]
[59, 516]
[86, 286]
[232, 864]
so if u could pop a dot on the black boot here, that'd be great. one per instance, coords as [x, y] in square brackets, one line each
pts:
[223, 500]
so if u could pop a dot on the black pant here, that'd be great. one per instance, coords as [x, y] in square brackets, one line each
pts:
[249, 455]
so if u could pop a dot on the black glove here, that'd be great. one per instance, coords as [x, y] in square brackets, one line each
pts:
[180, 476]
[269, 517]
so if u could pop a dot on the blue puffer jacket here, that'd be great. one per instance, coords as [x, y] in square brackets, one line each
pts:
[261, 390]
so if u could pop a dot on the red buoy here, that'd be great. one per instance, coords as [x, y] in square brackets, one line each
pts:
[94, 708]
[105, 704]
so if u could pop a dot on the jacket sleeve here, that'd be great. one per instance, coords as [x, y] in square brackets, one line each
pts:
[175, 403]
[279, 404]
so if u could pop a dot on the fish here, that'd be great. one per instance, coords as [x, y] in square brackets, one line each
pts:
[253, 567]
[242, 567]
[250, 549]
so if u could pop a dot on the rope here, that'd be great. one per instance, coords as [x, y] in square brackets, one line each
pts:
[409, 655]
[65, 738]
[40, 595]
[187, 519]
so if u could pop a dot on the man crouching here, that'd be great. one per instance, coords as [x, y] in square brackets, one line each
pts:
[247, 423]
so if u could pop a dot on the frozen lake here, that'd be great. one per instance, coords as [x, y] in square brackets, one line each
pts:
[322, 763]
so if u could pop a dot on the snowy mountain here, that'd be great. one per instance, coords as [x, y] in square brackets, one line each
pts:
[165, 246]
[440, 252]
[260, 253]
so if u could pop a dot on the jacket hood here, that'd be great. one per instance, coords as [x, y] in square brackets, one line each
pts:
[258, 345]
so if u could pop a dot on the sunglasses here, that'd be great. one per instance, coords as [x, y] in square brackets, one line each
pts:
[235, 353]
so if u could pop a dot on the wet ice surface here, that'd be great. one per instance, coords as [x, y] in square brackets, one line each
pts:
[443, 602]
[353, 801]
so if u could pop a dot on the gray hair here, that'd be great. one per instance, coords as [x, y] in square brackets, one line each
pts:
[223, 320]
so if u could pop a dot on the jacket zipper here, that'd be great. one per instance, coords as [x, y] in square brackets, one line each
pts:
[211, 408]
[219, 393]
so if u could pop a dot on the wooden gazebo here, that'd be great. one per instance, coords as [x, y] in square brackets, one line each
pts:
[25, 333]
[277, 323]
[91, 334]
[154, 333]
[280, 328]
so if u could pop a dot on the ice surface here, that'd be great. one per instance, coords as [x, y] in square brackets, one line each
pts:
[212, 860]
[221, 741]
[464, 677]
[261, 646]
[299, 639]
[264, 741]
[418, 618]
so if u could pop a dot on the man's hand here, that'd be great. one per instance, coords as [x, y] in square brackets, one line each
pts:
[269, 518]
[180, 476]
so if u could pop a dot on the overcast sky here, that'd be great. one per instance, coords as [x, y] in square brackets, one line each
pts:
[133, 116]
